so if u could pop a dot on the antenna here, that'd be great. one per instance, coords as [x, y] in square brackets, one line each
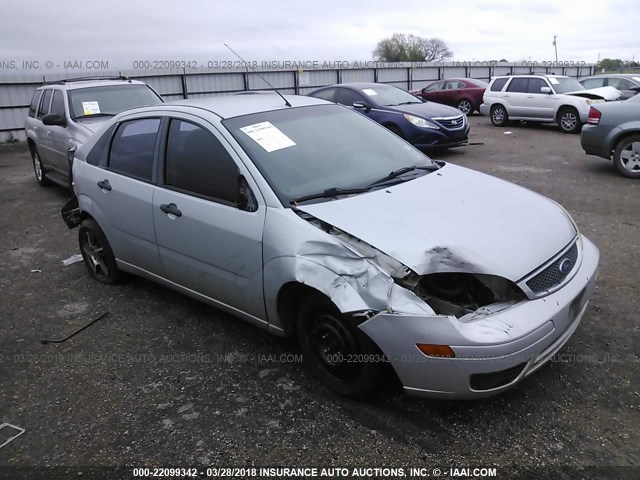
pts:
[286, 102]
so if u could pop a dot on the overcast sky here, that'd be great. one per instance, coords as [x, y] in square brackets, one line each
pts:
[121, 31]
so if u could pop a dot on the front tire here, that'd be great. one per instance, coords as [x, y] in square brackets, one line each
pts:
[626, 156]
[465, 106]
[568, 120]
[38, 168]
[97, 254]
[499, 116]
[335, 350]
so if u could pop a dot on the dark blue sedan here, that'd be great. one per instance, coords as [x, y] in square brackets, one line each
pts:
[424, 124]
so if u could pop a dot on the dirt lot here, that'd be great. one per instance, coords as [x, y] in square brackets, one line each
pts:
[164, 380]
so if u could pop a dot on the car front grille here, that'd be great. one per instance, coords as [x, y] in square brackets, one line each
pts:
[554, 275]
[452, 123]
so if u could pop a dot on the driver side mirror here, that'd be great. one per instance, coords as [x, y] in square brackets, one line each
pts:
[246, 199]
[361, 105]
[54, 119]
[546, 90]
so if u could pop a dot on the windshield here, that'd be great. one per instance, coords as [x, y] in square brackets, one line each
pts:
[564, 85]
[306, 150]
[388, 95]
[110, 99]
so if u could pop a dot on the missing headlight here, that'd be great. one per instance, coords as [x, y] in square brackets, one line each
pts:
[461, 293]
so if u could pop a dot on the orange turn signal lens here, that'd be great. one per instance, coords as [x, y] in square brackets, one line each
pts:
[444, 351]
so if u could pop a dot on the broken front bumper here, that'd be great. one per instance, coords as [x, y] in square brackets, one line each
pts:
[493, 352]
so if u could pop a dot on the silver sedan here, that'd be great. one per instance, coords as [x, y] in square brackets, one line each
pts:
[308, 219]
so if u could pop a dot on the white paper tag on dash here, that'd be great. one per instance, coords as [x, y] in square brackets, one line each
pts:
[268, 136]
[370, 92]
[554, 80]
[90, 108]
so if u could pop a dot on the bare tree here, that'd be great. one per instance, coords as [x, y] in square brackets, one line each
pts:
[401, 47]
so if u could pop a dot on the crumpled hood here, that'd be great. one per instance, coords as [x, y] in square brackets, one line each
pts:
[428, 110]
[606, 93]
[455, 219]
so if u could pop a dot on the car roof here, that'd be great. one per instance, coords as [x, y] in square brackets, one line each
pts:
[227, 106]
[357, 85]
[87, 83]
[613, 75]
[546, 75]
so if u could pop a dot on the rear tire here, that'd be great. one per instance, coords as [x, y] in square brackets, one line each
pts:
[626, 156]
[97, 254]
[335, 350]
[38, 168]
[499, 116]
[568, 120]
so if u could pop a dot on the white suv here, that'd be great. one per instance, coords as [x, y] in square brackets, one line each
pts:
[542, 98]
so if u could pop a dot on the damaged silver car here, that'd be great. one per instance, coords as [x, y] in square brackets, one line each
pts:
[310, 220]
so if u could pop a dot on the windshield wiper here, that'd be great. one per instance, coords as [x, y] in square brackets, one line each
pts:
[409, 103]
[95, 115]
[329, 193]
[402, 171]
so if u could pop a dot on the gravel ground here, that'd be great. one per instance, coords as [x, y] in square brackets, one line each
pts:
[164, 380]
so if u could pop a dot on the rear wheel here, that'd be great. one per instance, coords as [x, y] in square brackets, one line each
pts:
[464, 105]
[38, 169]
[626, 156]
[568, 120]
[97, 254]
[335, 350]
[499, 116]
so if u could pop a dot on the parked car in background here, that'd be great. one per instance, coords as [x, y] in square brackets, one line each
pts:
[424, 124]
[613, 132]
[542, 98]
[65, 113]
[307, 219]
[627, 83]
[463, 93]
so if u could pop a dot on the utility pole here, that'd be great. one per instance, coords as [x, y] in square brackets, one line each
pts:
[555, 46]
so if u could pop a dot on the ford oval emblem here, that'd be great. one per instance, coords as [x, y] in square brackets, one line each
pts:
[565, 265]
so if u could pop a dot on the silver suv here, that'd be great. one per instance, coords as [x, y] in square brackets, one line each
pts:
[64, 114]
[542, 98]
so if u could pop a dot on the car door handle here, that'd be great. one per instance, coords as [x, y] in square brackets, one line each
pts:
[172, 209]
[104, 185]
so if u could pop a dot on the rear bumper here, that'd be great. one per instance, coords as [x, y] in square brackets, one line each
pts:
[493, 352]
[594, 141]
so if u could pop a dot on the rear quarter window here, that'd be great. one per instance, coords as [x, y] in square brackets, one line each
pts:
[498, 83]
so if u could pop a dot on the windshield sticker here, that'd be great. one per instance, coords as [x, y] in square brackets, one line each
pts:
[369, 91]
[268, 136]
[554, 80]
[90, 108]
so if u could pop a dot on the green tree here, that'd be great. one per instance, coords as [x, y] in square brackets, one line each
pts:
[610, 63]
[401, 47]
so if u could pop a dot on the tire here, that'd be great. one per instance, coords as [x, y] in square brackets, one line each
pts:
[97, 254]
[626, 156]
[330, 342]
[499, 116]
[465, 106]
[392, 128]
[38, 168]
[568, 120]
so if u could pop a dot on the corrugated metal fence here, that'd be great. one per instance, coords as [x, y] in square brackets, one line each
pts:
[16, 92]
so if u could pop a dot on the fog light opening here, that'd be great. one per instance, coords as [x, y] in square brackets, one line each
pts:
[442, 351]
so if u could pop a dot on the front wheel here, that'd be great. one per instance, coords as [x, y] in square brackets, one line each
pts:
[335, 350]
[499, 116]
[626, 156]
[464, 105]
[569, 120]
[97, 254]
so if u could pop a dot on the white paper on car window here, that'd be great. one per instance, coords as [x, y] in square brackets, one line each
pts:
[90, 108]
[554, 80]
[268, 136]
[369, 91]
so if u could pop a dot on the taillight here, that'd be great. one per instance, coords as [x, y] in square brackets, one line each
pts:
[594, 116]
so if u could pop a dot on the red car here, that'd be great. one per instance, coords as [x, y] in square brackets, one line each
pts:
[463, 93]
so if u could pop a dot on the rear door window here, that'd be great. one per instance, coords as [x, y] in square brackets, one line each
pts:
[497, 85]
[34, 103]
[593, 83]
[518, 85]
[133, 147]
